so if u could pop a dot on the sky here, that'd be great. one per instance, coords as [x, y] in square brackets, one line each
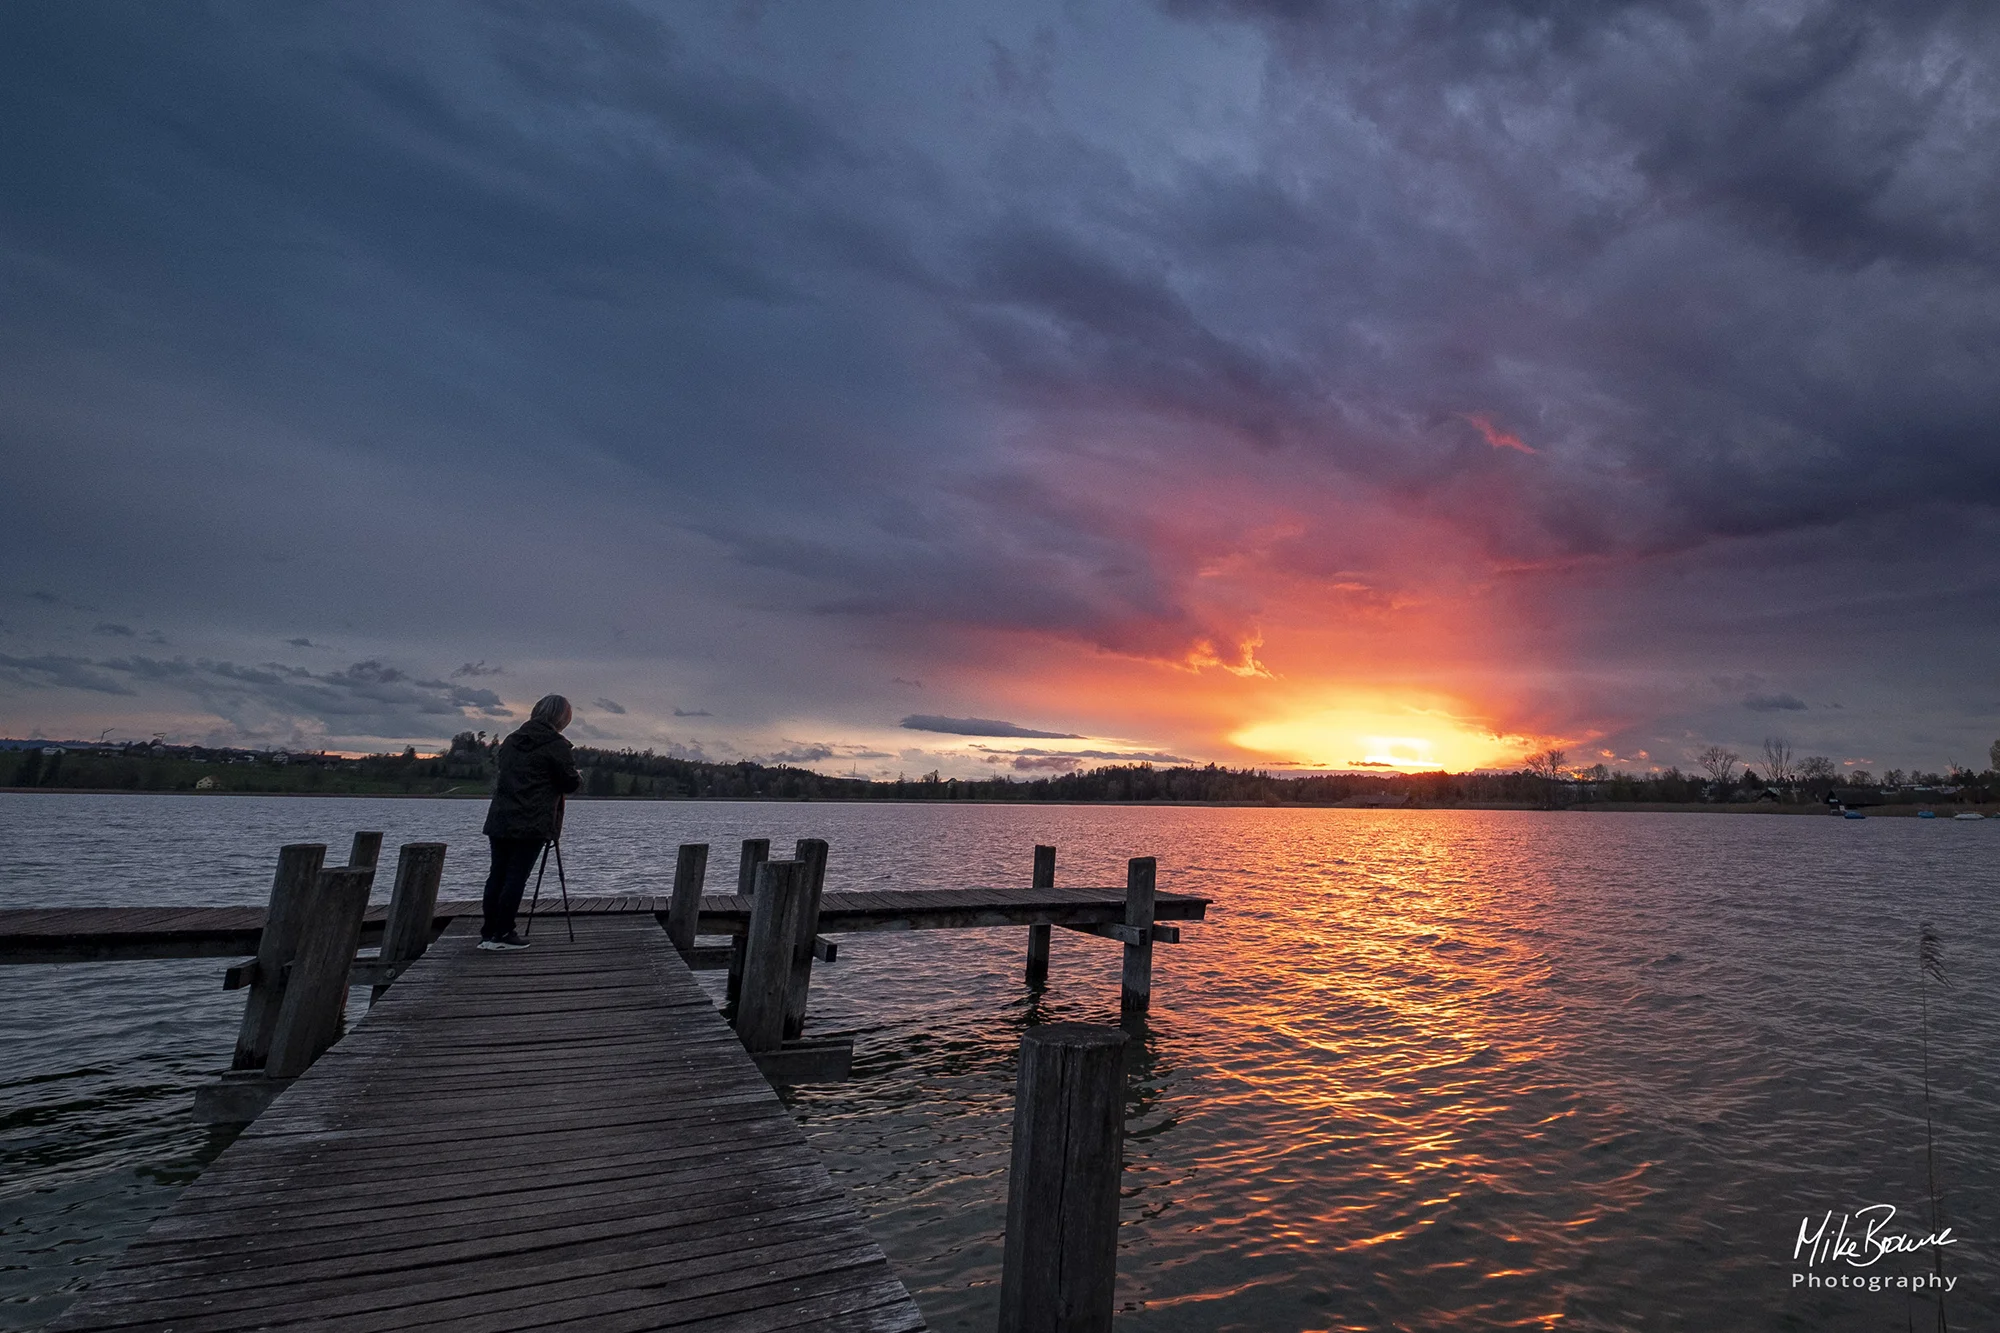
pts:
[999, 389]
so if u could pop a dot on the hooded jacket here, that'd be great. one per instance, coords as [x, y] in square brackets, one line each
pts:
[536, 772]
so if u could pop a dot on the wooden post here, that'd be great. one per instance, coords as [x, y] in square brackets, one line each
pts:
[366, 853]
[1059, 1266]
[684, 908]
[1136, 991]
[1038, 936]
[756, 851]
[776, 915]
[810, 853]
[412, 905]
[315, 993]
[291, 903]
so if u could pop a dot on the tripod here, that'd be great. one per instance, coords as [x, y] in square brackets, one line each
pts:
[561, 881]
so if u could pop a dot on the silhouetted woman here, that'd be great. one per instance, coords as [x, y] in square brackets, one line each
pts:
[536, 771]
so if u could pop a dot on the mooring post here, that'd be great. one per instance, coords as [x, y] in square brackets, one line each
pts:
[684, 908]
[366, 853]
[1059, 1266]
[777, 914]
[1038, 936]
[756, 851]
[316, 991]
[291, 903]
[810, 853]
[1136, 991]
[406, 934]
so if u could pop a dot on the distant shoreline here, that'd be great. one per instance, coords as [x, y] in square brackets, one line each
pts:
[1991, 811]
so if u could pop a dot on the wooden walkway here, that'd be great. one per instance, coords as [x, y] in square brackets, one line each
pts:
[83, 934]
[566, 1139]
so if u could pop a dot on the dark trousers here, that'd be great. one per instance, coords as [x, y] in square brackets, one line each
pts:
[513, 862]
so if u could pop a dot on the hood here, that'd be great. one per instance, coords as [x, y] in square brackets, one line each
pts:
[534, 736]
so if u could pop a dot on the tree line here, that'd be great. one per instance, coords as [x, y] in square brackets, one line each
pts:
[466, 767]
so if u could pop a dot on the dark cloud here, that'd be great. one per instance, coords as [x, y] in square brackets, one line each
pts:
[980, 726]
[1098, 756]
[115, 631]
[58, 672]
[301, 643]
[798, 754]
[1094, 331]
[367, 699]
[476, 669]
[692, 712]
[609, 706]
[1775, 703]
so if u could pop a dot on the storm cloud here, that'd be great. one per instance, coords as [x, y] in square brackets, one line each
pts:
[751, 354]
[980, 726]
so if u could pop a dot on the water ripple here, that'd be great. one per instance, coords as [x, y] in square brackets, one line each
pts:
[1419, 1070]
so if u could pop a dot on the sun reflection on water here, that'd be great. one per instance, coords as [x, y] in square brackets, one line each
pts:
[1439, 1071]
[1451, 1070]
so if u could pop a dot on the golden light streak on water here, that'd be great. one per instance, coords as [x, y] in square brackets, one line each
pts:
[1423, 1070]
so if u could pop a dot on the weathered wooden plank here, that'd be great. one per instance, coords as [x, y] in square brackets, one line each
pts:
[315, 995]
[1037, 971]
[55, 935]
[294, 894]
[710, 1231]
[778, 931]
[406, 923]
[1059, 1266]
[553, 1198]
[1141, 905]
[561, 1140]
[811, 853]
[690, 868]
[212, 1276]
[286, 1196]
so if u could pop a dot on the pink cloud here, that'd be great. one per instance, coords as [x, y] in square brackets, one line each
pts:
[1496, 437]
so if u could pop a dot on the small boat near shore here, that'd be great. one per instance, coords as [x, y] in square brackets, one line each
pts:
[1968, 814]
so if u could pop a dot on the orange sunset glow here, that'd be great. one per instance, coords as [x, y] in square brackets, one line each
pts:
[1366, 732]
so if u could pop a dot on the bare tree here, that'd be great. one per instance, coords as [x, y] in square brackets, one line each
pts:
[1720, 764]
[1817, 768]
[1548, 766]
[1780, 769]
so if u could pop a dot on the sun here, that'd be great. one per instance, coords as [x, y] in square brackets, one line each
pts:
[1407, 736]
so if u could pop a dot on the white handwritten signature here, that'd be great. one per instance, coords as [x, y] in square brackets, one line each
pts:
[1861, 1238]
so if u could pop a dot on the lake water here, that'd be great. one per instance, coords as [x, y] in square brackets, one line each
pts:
[1418, 1070]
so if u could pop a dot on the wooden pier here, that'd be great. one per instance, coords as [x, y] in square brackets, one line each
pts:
[568, 1138]
[573, 1138]
[89, 934]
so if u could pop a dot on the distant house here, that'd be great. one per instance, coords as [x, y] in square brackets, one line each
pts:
[206, 784]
